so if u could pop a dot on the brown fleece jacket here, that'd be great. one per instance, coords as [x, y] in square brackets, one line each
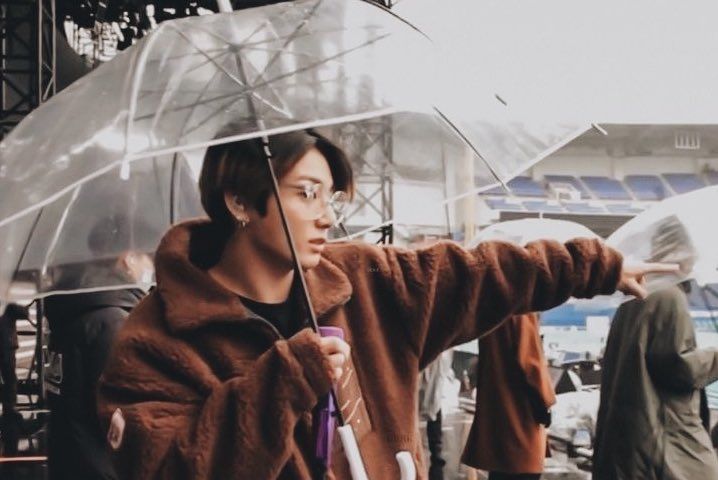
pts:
[513, 383]
[208, 390]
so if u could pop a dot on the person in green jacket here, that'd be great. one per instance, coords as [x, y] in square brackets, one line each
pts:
[649, 424]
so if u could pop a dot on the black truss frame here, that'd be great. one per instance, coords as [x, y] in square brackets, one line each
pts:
[27, 58]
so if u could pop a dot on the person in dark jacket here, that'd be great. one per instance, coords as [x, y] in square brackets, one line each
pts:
[11, 420]
[216, 375]
[434, 379]
[649, 423]
[83, 327]
[8, 345]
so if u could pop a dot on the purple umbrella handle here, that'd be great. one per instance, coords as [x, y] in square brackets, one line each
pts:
[325, 419]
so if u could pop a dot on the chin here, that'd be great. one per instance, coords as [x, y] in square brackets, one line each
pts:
[309, 261]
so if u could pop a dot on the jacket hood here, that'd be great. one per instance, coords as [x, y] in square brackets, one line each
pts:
[76, 304]
[192, 298]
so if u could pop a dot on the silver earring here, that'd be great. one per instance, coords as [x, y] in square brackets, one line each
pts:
[243, 223]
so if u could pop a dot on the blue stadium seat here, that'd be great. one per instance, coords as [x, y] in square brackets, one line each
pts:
[498, 190]
[582, 207]
[502, 204]
[542, 206]
[684, 182]
[646, 187]
[606, 188]
[570, 179]
[623, 208]
[526, 187]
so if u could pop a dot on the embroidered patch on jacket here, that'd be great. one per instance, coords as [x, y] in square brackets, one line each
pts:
[117, 429]
[351, 402]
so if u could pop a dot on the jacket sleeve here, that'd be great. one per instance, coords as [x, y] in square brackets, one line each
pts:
[181, 422]
[450, 295]
[672, 357]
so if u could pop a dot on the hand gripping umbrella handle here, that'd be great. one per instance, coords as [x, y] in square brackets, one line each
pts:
[349, 442]
[346, 434]
[406, 465]
[356, 465]
[351, 450]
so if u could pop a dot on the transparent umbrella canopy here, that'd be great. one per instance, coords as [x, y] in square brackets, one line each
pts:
[676, 230]
[529, 229]
[341, 65]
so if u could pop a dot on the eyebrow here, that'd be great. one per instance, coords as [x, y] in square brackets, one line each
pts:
[314, 180]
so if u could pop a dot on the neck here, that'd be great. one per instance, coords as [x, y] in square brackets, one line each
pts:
[253, 274]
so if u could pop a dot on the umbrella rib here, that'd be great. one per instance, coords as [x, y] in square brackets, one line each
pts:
[235, 138]
[61, 224]
[228, 73]
[24, 249]
[144, 93]
[469, 144]
[139, 70]
[266, 83]
[251, 89]
[194, 104]
[292, 37]
[187, 131]
[323, 61]
[303, 35]
[184, 130]
[173, 192]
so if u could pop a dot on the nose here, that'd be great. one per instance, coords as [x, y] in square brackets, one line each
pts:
[327, 218]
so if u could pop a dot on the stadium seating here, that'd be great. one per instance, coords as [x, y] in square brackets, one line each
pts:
[712, 178]
[570, 179]
[542, 206]
[526, 187]
[606, 188]
[502, 204]
[583, 207]
[623, 208]
[683, 182]
[496, 191]
[646, 187]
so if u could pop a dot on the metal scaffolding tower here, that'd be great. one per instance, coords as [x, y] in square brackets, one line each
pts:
[370, 143]
[27, 58]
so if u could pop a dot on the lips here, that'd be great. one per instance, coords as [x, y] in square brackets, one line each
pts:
[318, 241]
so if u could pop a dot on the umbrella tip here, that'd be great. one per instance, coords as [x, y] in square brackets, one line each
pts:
[599, 129]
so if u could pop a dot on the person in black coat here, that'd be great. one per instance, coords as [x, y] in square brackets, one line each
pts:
[11, 419]
[83, 327]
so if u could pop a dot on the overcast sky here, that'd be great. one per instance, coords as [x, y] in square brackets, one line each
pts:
[627, 62]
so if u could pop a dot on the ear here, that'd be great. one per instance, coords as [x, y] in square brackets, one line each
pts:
[235, 207]
[124, 261]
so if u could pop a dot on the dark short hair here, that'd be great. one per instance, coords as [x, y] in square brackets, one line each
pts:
[110, 234]
[240, 168]
[117, 232]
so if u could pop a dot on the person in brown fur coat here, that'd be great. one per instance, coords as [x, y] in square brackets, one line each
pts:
[513, 395]
[215, 374]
